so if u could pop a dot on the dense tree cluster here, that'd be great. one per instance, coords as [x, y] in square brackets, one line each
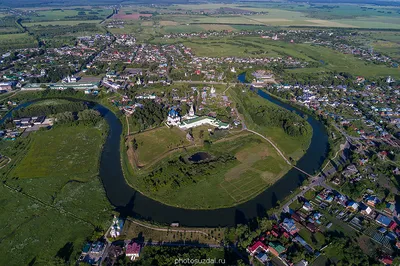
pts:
[180, 171]
[292, 124]
[151, 114]
[43, 110]
[89, 116]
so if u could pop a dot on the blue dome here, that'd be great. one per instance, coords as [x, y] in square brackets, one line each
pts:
[173, 112]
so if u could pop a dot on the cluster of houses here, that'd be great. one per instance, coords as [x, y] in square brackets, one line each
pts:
[377, 108]
[268, 243]
[106, 252]
[25, 125]
[310, 216]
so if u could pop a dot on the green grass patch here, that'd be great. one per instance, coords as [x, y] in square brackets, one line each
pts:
[62, 152]
[54, 173]
[154, 143]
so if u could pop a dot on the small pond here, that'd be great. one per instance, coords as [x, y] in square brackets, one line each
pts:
[200, 156]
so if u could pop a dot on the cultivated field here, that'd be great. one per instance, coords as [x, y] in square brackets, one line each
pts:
[59, 22]
[68, 14]
[133, 16]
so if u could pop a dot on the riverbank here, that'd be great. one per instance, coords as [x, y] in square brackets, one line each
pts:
[129, 202]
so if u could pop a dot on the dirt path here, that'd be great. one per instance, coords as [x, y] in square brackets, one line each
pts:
[171, 230]
[132, 155]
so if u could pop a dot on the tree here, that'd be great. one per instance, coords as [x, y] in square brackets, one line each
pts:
[134, 144]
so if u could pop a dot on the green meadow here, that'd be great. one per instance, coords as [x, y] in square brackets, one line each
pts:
[47, 214]
[219, 184]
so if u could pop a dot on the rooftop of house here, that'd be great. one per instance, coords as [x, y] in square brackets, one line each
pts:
[133, 248]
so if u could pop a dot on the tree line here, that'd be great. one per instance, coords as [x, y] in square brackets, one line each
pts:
[44, 110]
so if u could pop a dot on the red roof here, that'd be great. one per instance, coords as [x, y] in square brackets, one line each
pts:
[257, 245]
[132, 248]
[387, 260]
[274, 233]
[392, 225]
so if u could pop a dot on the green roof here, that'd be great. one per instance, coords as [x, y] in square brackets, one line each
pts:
[278, 247]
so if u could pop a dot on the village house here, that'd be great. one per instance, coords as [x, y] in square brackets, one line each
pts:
[133, 250]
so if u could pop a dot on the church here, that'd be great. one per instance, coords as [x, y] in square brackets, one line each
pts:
[191, 120]
[174, 119]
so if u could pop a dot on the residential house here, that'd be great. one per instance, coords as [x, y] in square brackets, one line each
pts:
[256, 247]
[133, 250]
[353, 206]
[290, 226]
[383, 220]
[276, 249]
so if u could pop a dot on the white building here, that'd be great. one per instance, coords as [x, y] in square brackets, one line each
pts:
[203, 120]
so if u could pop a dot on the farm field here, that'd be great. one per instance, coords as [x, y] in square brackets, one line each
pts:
[61, 173]
[60, 22]
[326, 15]
[329, 60]
[18, 40]
[256, 166]
[60, 158]
[32, 232]
[68, 14]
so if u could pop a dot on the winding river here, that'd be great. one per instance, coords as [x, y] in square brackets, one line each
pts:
[129, 202]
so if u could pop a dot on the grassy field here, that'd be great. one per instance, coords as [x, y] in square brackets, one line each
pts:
[59, 22]
[293, 147]
[45, 209]
[68, 14]
[15, 41]
[154, 143]
[329, 59]
[317, 15]
[257, 165]
[31, 232]
[65, 152]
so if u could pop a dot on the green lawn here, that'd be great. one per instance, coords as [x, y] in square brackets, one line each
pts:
[316, 240]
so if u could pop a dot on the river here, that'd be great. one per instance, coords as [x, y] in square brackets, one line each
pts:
[129, 202]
